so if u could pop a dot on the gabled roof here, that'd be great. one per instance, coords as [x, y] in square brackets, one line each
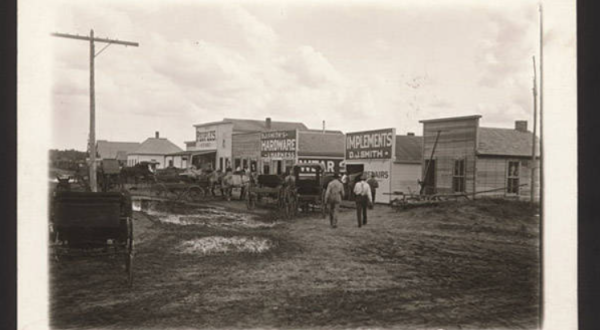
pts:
[409, 149]
[312, 143]
[505, 142]
[251, 125]
[154, 146]
[115, 150]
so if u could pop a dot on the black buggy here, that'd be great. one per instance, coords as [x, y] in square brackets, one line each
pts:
[85, 224]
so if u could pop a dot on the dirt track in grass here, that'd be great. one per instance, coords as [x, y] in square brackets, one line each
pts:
[471, 265]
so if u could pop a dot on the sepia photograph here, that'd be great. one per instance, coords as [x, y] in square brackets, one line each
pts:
[297, 165]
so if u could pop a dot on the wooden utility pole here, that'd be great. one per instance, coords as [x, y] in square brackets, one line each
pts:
[532, 188]
[541, 228]
[93, 54]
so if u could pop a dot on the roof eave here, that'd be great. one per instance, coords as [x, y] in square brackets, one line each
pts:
[449, 119]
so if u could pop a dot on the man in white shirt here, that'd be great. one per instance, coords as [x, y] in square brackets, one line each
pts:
[345, 182]
[362, 191]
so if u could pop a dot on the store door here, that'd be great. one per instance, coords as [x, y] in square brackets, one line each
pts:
[428, 186]
[353, 171]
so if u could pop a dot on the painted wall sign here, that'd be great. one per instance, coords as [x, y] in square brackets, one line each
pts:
[331, 165]
[378, 144]
[206, 138]
[278, 144]
[382, 171]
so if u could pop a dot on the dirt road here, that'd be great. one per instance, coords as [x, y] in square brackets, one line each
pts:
[459, 266]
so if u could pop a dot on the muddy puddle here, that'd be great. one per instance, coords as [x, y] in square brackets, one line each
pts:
[211, 216]
[220, 245]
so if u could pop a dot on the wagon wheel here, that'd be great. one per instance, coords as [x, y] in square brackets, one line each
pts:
[159, 189]
[193, 194]
[323, 205]
[129, 252]
[250, 201]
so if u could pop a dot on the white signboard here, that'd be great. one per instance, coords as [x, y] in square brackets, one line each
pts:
[206, 138]
[382, 169]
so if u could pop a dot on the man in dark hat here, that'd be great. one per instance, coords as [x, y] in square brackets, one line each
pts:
[333, 197]
[373, 184]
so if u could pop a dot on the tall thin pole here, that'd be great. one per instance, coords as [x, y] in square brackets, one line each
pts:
[541, 314]
[92, 137]
[533, 167]
[93, 182]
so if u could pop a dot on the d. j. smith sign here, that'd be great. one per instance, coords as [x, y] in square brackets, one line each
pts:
[278, 144]
[377, 144]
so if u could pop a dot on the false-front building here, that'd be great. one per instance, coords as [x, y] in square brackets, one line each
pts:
[459, 156]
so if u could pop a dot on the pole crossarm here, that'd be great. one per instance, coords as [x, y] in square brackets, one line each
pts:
[109, 41]
[92, 139]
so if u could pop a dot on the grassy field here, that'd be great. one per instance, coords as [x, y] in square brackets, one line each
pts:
[471, 265]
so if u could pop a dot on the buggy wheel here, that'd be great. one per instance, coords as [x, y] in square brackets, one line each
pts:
[194, 194]
[159, 189]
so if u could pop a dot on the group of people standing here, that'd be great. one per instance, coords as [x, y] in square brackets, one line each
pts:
[362, 190]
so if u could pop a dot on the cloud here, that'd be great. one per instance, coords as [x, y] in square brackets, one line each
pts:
[443, 104]
[507, 53]
[311, 68]
[257, 35]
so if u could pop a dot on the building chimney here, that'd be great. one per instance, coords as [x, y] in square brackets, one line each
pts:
[156, 134]
[268, 122]
[521, 125]
[410, 134]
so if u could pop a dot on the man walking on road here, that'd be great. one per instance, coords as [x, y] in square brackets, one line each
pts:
[363, 199]
[373, 184]
[333, 198]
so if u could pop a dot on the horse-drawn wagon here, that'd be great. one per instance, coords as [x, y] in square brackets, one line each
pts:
[272, 188]
[311, 184]
[92, 224]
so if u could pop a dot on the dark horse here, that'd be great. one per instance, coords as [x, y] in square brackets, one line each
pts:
[139, 173]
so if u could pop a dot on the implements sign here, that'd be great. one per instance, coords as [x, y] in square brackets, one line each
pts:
[377, 144]
[278, 144]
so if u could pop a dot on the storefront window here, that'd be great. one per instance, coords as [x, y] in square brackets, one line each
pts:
[458, 179]
[513, 178]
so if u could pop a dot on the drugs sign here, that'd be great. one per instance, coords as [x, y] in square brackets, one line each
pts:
[278, 144]
[206, 138]
[377, 144]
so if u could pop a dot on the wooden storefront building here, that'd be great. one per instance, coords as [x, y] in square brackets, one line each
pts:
[229, 143]
[394, 160]
[278, 150]
[459, 156]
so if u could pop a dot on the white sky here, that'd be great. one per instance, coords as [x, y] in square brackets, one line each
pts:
[357, 66]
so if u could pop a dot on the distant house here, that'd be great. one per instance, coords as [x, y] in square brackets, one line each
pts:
[468, 158]
[115, 150]
[154, 150]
